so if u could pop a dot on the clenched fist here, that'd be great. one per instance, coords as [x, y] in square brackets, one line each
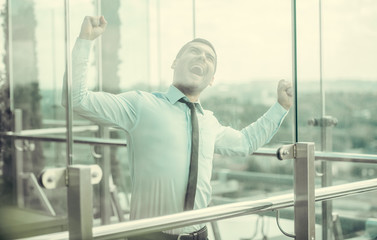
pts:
[92, 27]
[285, 93]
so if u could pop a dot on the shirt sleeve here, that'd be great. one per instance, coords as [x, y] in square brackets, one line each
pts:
[104, 108]
[232, 142]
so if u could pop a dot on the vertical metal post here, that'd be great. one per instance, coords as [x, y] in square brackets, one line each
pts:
[326, 123]
[105, 202]
[68, 67]
[304, 192]
[99, 50]
[158, 23]
[323, 102]
[80, 202]
[326, 145]
[105, 164]
[53, 65]
[57, 92]
[18, 163]
[193, 19]
[294, 70]
[148, 43]
[326, 180]
[338, 232]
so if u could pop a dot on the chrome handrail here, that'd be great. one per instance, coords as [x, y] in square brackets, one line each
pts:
[326, 156]
[215, 213]
[144, 226]
[59, 130]
[62, 139]
[346, 157]
[343, 190]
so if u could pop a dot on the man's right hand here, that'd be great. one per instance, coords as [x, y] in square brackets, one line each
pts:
[92, 27]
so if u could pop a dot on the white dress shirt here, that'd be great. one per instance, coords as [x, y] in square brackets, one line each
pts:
[158, 129]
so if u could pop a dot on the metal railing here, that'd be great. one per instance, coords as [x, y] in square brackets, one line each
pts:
[214, 213]
[62, 139]
[26, 135]
[132, 228]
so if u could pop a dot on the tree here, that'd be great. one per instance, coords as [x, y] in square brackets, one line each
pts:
[5, 120]
[26, 88]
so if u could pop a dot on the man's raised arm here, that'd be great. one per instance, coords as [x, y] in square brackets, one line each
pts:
[92, 27]
[100, 107]
[232, 142]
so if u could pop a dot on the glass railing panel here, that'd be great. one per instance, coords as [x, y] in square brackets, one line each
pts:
[251, 61]
[349, 75]
[134, 53]
[353, 217]
[34, 64]
[336, 93]
[335, 87]
[27, 209]
[335, 82]
[256, 226]
[170, 26]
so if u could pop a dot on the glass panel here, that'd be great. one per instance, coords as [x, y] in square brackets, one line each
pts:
[336, 99]
[132, 54]
[354, 217]
[253, 43]
[336, 78]
[251, 61]
[262, 226]
[337, 81]
[33, 63]
[348, 76]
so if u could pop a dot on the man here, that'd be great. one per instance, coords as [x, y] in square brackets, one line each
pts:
[166, 132]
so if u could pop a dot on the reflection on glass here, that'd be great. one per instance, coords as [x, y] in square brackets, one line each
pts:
[353, 220]
[335, 88]
[253, 41]
[251, 60]
[348, 81]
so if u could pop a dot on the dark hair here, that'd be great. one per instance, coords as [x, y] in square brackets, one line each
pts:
[200, 40]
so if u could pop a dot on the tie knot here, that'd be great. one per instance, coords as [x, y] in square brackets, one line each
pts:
[191, 105]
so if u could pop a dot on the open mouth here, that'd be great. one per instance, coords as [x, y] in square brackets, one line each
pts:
[197, 70]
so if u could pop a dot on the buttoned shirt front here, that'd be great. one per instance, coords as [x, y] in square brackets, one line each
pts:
[158, 129]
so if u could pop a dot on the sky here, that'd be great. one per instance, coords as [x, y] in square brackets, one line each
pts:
[253, 38]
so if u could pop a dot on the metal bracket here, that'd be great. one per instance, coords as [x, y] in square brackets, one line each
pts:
[326, 121]
[25, 145]
[94, 154]
[286, 152]
[304, 196]
[280, 228]
[56, 177]
[318, 173]
[37, 190]
[337, 227]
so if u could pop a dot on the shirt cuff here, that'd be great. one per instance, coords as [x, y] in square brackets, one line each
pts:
[82, 48]
[276, 113]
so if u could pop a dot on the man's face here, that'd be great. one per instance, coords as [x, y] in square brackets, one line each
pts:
[194, 69]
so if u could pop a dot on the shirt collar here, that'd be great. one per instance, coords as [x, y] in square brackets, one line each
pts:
[174, 94]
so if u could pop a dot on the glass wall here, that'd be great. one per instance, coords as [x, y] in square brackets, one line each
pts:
[336, 82]
[253, 42]
[336, 102]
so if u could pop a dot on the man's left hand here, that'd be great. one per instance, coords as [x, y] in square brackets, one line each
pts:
[285, 93]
